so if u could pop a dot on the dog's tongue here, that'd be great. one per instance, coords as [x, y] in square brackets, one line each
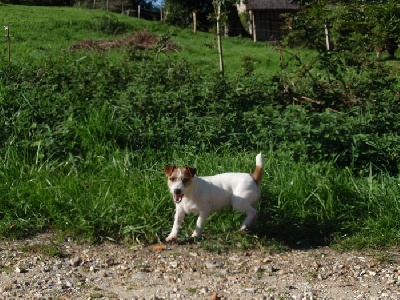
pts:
[178, 197]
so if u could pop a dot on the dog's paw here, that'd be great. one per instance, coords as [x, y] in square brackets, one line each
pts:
[195, 235]
[243, 228]
[171, 238]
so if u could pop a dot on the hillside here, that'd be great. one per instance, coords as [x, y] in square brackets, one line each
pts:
[37, 32]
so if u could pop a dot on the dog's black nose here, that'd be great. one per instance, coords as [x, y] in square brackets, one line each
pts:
[177, 191]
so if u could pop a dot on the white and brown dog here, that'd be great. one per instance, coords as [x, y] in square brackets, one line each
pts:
[204, 195]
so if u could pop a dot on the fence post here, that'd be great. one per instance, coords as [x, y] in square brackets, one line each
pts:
[327, 38]
[138, 11]
[194, 22]
[221, 62]
[7, 28]
[253, 23]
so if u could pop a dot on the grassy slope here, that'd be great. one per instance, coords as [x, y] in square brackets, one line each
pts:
[123, 195]
[37, 32]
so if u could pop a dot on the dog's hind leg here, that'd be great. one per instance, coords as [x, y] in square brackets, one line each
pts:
[199, 224]
[251, 213]
[241, 204]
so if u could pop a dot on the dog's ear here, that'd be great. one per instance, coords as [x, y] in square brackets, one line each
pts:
[191, 170]
[168, 170]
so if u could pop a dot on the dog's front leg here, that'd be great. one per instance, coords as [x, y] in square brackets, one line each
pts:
[179, 216]
[199, 224]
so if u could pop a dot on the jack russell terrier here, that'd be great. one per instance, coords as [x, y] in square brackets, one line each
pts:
[207, 194]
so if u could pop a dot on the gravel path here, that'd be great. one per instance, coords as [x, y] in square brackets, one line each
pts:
[40, 268]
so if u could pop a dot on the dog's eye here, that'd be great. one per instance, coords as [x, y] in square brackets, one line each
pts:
[185, 180]
[173, 179]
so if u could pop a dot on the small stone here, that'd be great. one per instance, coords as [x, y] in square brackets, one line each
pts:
[5, 288]
[234, 258]
[210, 265]
[50, 283]
[385, 294]
[257, 269]
[268, 268]
[140, 276]
[21, 270]
[76, 262]
[57, 266]
[340, 267]
[316, 265]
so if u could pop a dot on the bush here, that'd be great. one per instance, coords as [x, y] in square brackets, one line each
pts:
[86, 107]
[354, 26]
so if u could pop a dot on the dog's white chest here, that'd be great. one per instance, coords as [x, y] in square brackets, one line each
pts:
[189, 207]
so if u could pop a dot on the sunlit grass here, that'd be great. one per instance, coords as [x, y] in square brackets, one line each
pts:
[99, 191]
[39, 32]
[123, 196]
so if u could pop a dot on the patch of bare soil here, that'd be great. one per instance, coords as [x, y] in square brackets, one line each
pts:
[44, 268]
[143, 40]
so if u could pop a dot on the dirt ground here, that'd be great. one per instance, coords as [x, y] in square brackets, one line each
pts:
[143, 40]
[45, 268]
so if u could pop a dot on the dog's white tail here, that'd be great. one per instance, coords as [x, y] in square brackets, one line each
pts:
[257, 174]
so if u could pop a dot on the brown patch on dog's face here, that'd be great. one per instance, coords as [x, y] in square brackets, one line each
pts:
[179, 180]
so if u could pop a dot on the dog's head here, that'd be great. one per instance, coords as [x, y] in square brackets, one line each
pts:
[179, 180]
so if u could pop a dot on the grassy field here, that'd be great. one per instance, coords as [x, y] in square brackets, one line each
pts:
[37, 32]
[86, 135]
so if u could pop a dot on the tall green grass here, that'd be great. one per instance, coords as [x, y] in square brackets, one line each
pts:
[124, 195]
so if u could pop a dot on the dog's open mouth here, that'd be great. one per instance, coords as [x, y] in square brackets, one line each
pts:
[178, 197]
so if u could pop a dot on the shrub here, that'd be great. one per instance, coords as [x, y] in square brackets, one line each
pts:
[86, 107]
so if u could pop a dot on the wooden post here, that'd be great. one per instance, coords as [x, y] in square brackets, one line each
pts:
[226, 30]
[250, 22]
[221, 62]
[254, 27]
[194, 22]
[327, 39]
[107, 5]
[7, 28]
[94, 4]
[138, 11]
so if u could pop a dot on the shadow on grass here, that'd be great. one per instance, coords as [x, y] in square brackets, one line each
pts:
[298, 232]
